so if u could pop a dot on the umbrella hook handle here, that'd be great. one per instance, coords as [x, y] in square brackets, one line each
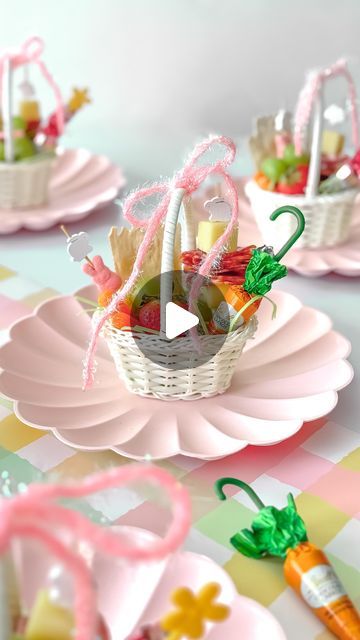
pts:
[298, 231]
[219, 490]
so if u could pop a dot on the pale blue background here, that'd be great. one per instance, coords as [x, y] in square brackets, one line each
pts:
[163, 73]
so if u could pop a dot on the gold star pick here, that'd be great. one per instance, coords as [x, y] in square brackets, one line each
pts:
[78, 99]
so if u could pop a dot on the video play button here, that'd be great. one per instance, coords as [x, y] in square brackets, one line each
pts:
[178, 320]
[175, 348]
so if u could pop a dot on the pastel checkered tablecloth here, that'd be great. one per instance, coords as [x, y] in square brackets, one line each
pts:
[320, 465]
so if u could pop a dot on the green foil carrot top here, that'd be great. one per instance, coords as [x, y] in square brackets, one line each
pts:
[273, 531]
[264, 267]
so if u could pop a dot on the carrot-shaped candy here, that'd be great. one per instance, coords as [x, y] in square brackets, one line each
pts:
[190, 616]
[282, 533]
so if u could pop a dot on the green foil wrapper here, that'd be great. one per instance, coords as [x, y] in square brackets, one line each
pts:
[273, 532]
[262, 270]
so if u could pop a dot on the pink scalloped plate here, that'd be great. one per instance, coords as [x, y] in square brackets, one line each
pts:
[132, 594]
[343, 259]
[81, 183]
[288, 374]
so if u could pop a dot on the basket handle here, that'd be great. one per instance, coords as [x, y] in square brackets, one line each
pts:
[7, 109]
[311, 99]
[167, 256]
[29, 52]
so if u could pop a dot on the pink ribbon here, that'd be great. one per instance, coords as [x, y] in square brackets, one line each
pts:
[31, 52]
[189, 179]
[35, 514]
[309, 94]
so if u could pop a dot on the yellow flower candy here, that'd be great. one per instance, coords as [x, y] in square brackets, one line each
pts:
[192, 612]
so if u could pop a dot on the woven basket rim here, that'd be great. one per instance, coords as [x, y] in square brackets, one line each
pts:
[24, 165]
[251, 187]
[183, 343]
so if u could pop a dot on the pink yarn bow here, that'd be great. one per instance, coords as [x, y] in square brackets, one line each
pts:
[31, 52]
[309, 94]
[188, 178]
[35, 514]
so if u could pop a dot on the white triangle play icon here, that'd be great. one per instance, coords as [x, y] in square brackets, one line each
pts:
[178, 320]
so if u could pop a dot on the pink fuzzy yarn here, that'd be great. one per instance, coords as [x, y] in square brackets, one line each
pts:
[31, 52]
[189, 179]
[308, 96]
[23, 515]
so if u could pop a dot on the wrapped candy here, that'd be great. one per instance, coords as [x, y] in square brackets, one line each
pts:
[282, 533]
[29, 107]
[209, 231]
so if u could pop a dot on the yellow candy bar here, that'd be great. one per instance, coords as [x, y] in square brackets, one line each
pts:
[332, 143]
[29, 110]
[49, 620]
[210, 230]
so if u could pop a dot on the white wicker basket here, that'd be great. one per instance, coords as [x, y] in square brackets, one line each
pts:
[24, 184]
[191, 380]
[328, 217]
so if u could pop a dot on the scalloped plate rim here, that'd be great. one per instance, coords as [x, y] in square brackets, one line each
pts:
[240, 444]
[69, 213]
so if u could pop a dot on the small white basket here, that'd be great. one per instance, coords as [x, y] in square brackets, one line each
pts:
[192, 381]
[193, 378]
[24, 184]
[328, 217]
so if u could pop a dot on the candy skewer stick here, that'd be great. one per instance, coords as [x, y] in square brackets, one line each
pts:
[67, 234]
[7, 110]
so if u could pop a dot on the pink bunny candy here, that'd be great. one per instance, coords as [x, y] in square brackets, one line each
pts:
[102, 276]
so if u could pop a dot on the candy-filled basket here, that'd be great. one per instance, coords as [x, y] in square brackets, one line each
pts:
[204, 273]
[307, 166]
[188, 366]
[27, 140]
